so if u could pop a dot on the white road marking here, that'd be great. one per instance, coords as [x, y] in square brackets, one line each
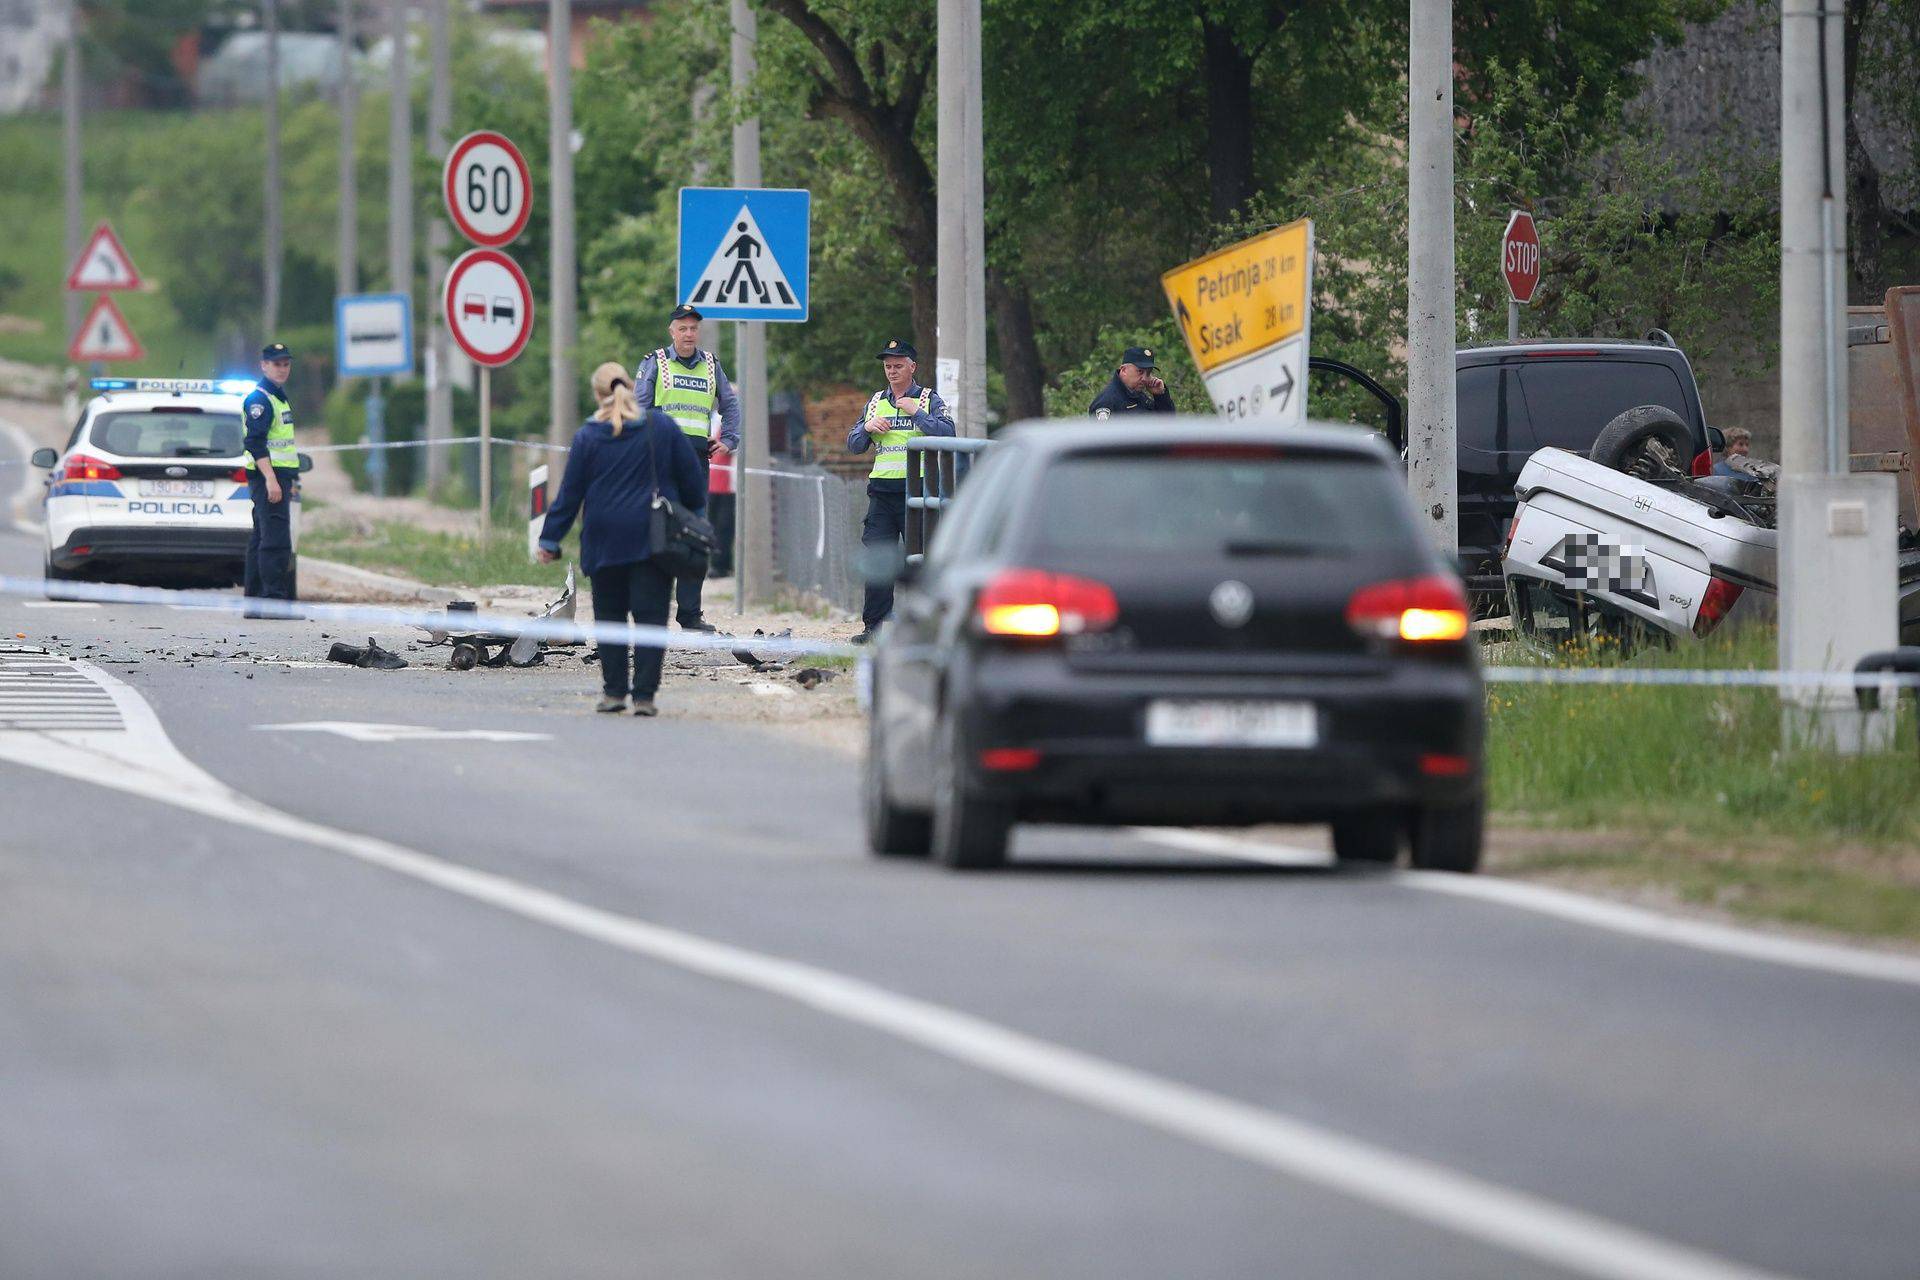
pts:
[58, 604]
[1579, 908]
[144, 762]
[361, 731]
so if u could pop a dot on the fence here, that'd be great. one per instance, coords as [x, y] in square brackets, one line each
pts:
[935, 467]
[816, 533]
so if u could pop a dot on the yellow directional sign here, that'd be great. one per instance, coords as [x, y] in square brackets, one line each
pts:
[1244, 298]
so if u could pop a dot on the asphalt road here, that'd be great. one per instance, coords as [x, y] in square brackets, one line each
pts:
[477, 1007]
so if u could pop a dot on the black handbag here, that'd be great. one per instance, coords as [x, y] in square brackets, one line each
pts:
[681, 540]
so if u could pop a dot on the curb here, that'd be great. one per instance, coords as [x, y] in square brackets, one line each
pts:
[329, 579]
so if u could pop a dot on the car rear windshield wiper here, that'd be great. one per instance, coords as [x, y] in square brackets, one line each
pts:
[197, 451]
[1271, 549]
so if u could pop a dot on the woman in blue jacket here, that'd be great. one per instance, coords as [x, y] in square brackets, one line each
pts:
[620, 458]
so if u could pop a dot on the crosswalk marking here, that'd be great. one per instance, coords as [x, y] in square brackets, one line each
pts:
[43, 693]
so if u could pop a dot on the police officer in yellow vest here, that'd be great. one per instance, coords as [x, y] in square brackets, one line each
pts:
[687, 384]
[273, 479]
[894, 415]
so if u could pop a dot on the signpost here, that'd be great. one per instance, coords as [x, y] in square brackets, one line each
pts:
[372, 334]
[488, 189]
[1520, 264]
[104, 335]
[1245, 311]
[102, 265]
[744, 252]
[489, 311]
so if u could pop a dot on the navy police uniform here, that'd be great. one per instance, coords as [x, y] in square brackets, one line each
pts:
[1116, 401]
[886, 522]
[267, 419]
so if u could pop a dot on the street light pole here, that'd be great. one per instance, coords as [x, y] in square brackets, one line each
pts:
[346, 267]
[1838, 549]
[753, 574]
[70, 135]
[439, 351]
[399, 158]
[270, 239]
[563, 398]
[1432, 443]
[960, 367]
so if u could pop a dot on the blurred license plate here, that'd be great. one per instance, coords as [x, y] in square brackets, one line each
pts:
[1230, 724]
[176, 488]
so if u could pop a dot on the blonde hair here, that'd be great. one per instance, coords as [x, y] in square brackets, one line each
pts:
[613, 389]
[1736, 435]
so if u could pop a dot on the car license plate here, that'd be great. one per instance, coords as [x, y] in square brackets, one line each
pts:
[1184, 723]
[176, 488]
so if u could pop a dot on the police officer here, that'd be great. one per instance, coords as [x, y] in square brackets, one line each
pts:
[1133, 388]
[687, 384]
[273, 477]
[896, 414]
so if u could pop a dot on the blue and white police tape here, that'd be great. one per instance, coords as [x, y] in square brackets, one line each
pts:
[478, 622]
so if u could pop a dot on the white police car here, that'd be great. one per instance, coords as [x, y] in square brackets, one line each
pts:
[152, 486]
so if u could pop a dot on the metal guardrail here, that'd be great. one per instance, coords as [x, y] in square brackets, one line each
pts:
[935, 467]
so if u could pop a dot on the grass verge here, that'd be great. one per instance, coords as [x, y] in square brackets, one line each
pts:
[438, 559]
[1694, 794]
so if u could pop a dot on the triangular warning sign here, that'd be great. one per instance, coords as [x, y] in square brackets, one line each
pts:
[103, 266]
[742, 271]
[105, 335]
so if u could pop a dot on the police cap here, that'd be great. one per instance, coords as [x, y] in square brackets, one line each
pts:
[275, 351]
[1138, 357]
[895, 347]
[685, 312]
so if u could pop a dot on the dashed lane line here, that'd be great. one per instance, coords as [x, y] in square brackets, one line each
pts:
[143, 761]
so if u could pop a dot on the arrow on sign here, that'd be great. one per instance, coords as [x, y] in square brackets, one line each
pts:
[1285, 390]
[1183, 315]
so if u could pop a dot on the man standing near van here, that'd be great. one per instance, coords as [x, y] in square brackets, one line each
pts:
[687, 384]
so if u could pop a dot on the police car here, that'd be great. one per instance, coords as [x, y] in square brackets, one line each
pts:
[152, 486]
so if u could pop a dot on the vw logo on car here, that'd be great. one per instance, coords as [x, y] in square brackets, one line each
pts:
[1231, 603]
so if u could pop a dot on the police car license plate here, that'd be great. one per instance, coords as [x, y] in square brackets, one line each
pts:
[176, 488]
[1193, 723]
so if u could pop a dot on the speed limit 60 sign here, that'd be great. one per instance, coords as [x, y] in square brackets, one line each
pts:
[487, 188]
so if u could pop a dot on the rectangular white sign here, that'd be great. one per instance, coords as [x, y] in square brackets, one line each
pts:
[1270, 386]
[373, 334]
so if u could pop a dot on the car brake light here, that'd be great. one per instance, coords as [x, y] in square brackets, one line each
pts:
[1031, 602]
[1506, 545]
[1702, 463]
[1010, 759]
[81, 467]
[1715, 604]
[1423, 610]
[238, 475]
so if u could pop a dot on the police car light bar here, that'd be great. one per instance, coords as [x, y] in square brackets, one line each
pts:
[223, 386]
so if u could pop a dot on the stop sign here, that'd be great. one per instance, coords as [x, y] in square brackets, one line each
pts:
[1520, 256]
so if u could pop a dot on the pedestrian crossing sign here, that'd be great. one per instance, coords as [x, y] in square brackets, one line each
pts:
[744, 252]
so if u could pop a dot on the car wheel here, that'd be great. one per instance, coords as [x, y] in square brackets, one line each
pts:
[1448, 837]
[1651, 442]
[892, 832]
[969, 831]
[1367, 837]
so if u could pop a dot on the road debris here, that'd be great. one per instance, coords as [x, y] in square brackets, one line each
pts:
[371, 656]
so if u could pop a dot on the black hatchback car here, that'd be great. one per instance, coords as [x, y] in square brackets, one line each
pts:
[1200, 625]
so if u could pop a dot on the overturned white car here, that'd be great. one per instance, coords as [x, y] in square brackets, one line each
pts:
[1596, 552]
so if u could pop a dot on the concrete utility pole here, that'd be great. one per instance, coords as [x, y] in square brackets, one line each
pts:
[1838, 572]
[346, 267]
[270, 238]
[439, 384]
[703, 94]
[70, 132]
[753, 569]
[960, 373]
[564, 400]
[1432, 441]
[399, 158]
